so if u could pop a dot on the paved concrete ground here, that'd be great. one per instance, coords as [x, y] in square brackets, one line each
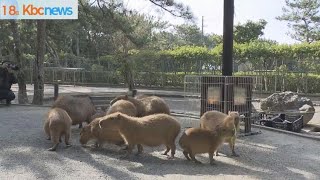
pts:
[48, 90]
[23, 155]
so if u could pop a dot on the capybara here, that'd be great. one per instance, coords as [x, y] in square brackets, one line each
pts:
[141, 96]
[146, 105]
[97, 115]
[80, 109]
[198, 140]
[152, 130]
[93, 131]
[123, 106]
[57, 124]
[211, 119]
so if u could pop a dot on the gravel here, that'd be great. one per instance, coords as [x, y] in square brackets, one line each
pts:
[23, 155]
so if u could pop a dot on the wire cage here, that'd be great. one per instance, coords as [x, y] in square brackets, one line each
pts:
[221, 93]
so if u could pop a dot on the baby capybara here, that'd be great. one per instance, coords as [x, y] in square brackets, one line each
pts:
[197, 140]
[80, 109]
[146, 105]
[152, 130]
[57, 124]
[211, 119]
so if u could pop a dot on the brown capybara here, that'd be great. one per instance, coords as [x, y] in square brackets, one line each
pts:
[211, 119]
[141, 96]
[93, 131]
[146, 105]
[197, 140]
[123, 106]
[57, 124]
[152, 130]
[80, 109]
[97, 115]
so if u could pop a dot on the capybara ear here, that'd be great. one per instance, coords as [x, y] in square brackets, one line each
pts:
[119, 115]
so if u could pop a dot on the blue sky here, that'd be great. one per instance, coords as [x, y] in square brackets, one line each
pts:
[212, 10]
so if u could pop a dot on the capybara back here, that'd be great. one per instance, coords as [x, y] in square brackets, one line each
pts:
[57, 124]
[123, 106]
[80, 109]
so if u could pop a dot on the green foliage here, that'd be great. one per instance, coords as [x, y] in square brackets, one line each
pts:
[96, 68]
[249, 31]
[303, 18]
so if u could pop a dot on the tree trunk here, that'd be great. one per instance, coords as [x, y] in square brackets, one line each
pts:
[128, 75]
[77, 45]
[38, 65]
[22, 93]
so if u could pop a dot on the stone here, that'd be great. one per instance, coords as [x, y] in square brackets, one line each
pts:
[307, 111]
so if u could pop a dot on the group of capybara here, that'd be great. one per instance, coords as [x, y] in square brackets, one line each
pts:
[139, 121]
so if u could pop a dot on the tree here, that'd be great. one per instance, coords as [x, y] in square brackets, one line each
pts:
[38, 65]
[22, 93]
[303, 18]
[189, 34]
[249, 31]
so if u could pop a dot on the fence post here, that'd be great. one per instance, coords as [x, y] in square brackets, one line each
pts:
[56, 89]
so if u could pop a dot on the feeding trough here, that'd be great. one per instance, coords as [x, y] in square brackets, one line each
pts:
[283, 121]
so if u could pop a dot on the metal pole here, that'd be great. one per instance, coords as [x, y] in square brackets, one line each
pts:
[202, 32]
[227, 62]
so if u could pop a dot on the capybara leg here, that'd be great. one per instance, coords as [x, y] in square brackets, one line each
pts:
[125, 147]
[140, 149]
[55, 140]
[167, 150]
[67, 138]
[217, 152]
[80, 125]
[60, 139]
[96, 144]
[231, 144]
[120, 143]
[129, 150]
[186, 154]
[194, 158]
[54, 147]
[47, 130]
[173, 150]
[211, 158]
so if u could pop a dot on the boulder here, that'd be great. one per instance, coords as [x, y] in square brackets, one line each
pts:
[289, 101]
[307, 111]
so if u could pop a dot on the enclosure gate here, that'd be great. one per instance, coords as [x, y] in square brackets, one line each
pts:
[227, 93]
